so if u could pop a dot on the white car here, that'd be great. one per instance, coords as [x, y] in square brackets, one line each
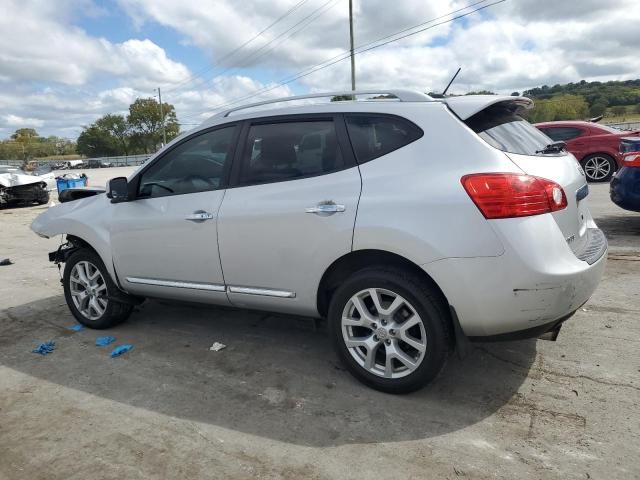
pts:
[19, 187]
[413, 225]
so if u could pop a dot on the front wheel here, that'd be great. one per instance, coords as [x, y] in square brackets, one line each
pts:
[89, 291]
[598, 167]
[390, 329]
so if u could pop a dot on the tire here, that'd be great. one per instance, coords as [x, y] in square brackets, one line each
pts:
[43, 197]
[598, 167]
[108, 312]
[418, 303]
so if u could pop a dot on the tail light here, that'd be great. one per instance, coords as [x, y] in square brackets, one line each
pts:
[631, 159]
[508, 195]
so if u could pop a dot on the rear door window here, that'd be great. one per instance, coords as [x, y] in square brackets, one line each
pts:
[277, 152]
[502, 127]
[373, 136]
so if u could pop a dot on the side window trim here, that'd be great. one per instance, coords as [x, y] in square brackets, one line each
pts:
[341, 133]
[134, 184]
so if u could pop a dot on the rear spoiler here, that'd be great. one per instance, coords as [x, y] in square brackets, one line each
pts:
[468, 105]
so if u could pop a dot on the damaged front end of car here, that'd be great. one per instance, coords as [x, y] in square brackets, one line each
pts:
[24, 194]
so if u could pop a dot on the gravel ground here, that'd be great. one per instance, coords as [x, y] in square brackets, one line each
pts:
[277, 404]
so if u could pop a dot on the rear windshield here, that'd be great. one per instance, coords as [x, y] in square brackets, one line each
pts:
[502, 127]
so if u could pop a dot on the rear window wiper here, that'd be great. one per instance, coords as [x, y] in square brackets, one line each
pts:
[555, 147]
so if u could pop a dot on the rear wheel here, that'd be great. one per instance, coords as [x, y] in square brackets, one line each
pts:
[390, 329]
[598, 167]
[89, 291]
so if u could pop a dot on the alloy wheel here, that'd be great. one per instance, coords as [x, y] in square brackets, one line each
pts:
[88, 290]
[384, 333]
[597, 168]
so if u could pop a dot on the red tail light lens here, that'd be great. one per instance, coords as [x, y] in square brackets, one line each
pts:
[631, 159]
[508, 195]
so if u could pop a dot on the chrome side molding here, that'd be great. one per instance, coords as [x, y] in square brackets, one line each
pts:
[266, 292]
[173, 284]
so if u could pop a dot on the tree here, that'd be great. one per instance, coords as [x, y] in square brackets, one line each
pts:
[481, 92]
[118, 128]
[146, 125]
[515, 94]
[619, 110]
[563, 107]
[637, 109]
[25, 135]
[598, 109]
[96, 142]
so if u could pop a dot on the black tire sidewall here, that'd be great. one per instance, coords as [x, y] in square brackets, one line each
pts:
[113, 312]
[612, 164]
[422, 298]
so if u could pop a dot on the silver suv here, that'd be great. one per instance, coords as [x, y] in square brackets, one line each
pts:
[411, 223]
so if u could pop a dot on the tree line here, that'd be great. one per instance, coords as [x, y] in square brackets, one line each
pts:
[26, 144]
[583, 99]
[138, 132]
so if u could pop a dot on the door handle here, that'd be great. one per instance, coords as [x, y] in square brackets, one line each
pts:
[199, 216]
[325, 209]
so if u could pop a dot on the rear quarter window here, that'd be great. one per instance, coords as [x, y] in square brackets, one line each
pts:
[502, 127]
[373, 136]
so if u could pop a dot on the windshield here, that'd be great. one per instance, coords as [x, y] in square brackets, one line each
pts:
[501, 127]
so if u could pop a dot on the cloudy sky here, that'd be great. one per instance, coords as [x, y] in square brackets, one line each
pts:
[64, 63]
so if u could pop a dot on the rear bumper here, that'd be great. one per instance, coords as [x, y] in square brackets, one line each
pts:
[536, 282]
[625, 188]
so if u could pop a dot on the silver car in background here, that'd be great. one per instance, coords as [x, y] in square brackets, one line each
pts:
[411, 223]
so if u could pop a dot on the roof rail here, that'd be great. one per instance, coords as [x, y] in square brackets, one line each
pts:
[403, 95]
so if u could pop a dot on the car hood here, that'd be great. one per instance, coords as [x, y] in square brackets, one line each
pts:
[17, 179]
[468, 105]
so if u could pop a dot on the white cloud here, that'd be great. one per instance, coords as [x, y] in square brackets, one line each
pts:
[37, 45]
[14, 121]
[58, 77]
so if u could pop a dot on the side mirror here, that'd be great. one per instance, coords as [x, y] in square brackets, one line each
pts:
[118, 189]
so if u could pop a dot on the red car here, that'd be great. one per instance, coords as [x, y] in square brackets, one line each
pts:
[597, 147]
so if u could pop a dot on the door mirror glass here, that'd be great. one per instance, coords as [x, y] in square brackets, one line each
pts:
[118, 189]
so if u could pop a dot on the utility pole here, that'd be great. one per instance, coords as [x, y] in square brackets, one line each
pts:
[164, 133]
[353, 60]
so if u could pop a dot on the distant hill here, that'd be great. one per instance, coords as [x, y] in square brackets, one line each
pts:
[585, 99]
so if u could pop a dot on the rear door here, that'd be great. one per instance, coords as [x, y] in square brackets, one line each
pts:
[290, 212]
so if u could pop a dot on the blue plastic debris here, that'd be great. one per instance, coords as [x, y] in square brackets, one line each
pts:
[76, 328]
[120, 349]
[45, 348]
[104, 341]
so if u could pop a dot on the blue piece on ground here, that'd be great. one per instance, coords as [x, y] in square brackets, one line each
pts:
[120, 349]
[45, 348]
[104, 341]
[76, 328]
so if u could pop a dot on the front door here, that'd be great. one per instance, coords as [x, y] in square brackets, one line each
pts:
[290, 213]
[165, 240]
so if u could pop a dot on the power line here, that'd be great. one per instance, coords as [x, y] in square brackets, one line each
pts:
[362, 49]
[325, 7]
[237, 49]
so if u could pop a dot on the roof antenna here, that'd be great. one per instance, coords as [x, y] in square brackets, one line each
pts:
[450, 82]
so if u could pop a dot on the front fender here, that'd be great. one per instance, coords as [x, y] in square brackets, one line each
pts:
[88, 219]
